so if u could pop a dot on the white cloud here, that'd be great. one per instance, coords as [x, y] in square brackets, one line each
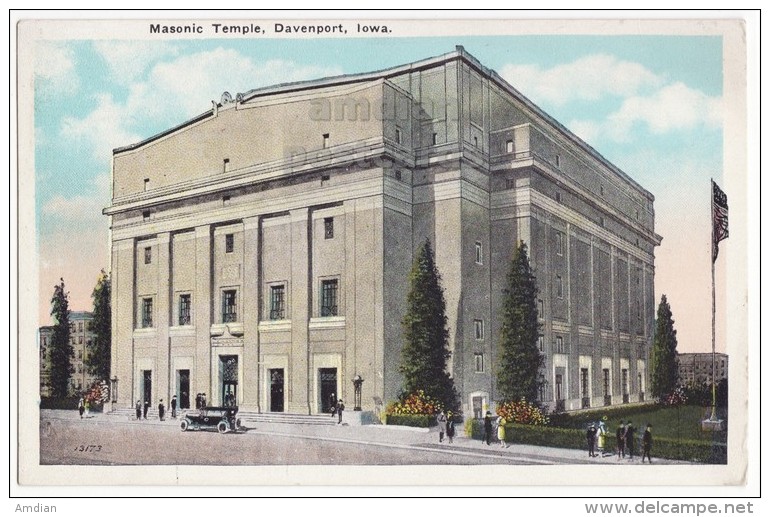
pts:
[128, 60]
[55, 69]
[175, 91]
[583, 79]
[82, 209]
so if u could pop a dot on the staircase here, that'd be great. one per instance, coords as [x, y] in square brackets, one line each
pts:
[247, 417]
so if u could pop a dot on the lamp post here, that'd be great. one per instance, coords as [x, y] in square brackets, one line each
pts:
[357, 382]
[113, 391]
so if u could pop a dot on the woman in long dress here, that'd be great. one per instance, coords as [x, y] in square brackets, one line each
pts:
[501, 430]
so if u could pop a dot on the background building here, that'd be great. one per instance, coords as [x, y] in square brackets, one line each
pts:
[262, 249]
[695, 369]
[80, 339]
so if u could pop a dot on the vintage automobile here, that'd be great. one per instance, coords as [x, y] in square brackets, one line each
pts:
[223, 419]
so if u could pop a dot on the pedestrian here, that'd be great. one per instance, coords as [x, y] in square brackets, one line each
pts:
[81, 407]
[197, 401]
[630, 439]
[647, 443]
[138, 409]
[333, 404]
[173, 406]
[591, 439]
[146, 408]
[488, 427]
[161, 410]
[501, 430]
[620, 436]
[87, 407]
[203, 400]
[450, 426]
[441, 421]
[601, 437]
[340, 409]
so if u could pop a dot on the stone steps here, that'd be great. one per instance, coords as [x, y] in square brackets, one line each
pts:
[245, 416]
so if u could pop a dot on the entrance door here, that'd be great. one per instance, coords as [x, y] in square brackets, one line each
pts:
[276, 390]
[229, 375]
[183, 381]
[327, 388]
[147, 386]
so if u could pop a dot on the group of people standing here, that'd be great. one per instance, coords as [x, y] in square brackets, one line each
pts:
[446, 426]
[142, 409]
[624, 438]
[84, 407]
[489, 427]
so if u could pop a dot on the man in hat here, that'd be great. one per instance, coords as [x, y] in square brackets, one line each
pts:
[591, 439]
[173, 406]
[620, 439]
[647, 443]
[488, 427]
[630, 439]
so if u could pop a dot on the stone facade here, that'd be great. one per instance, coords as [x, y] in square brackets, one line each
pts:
[263, 247]
[80, 339]
[695, 369]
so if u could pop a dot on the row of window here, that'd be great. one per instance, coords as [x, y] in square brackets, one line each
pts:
[229, 311]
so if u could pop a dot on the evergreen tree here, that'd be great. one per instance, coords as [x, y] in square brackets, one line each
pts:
[520, 359]
[665, 360]
[425, 352]
[61, 348]
[98, 357]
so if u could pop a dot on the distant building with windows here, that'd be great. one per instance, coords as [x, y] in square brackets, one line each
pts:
[262, 249]
[695, 369]
[81, 338]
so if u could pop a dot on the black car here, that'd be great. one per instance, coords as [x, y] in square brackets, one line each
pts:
[223, 419]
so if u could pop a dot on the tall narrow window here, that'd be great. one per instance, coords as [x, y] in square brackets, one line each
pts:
[541, 343]
[146, 184]
[148, 255]
[478, 326]
[146, 215]
[325, 140]
[559, 243]
[475, 141]
[146, 313]
[558, 197]
[584, 382]
[329, 298]
[624, 380]
[184, 309]
[479, 253]
[606, 382]
[558, 387]
[478, 362]
[398, 135]
[509, 146]
[225, 163]
[277, 302]
[229, 306]
[540, 309]
[328, 227]
[559, 345]
[229, 243]
[434, 139]
[559, 287]
[558, 160]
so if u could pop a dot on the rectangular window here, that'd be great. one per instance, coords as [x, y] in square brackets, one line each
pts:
[277, 302]
[559, 345]
[329, 298]
[80, 326]
[325, 179]
[558, 387]
[541, 343]
[80, 340]
[601, 222]
[509, 146]
[328, 227]
[325, 140]
[601, 189]
[584, 382]
[148, 255]
[80, 354]
[559, 243]
[229, 306]
[540, 309]
[606, 382]
[478, 326]
[475, 141]
[624, 380]
[398, 175]
[146, 215]
[146, 184]
[510, 183]
[479, 253]
[184, 309]
[398, 135]
[146, 313]
[225, 200]
[558, 160]
[434, 140]
[559, 287]
[478, 362]
[229, 243]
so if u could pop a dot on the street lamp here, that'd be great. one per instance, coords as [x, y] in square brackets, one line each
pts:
[114, 391]
[357, 382]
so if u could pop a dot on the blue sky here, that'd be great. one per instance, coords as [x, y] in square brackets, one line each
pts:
[650, 104]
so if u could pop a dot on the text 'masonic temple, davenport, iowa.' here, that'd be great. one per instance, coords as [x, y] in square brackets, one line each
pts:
[262, 249]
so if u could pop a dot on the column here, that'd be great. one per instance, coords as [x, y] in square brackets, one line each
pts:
[252, 304]
[163, 344]
[302, 296]
[201, 381]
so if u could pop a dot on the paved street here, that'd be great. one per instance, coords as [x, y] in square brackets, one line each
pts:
[65, 439]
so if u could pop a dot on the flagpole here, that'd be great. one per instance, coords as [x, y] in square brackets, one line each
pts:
[713, 316]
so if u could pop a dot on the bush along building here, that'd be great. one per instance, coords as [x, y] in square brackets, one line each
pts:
[261, 250]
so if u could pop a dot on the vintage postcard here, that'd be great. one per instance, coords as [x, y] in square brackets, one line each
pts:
[305, 251]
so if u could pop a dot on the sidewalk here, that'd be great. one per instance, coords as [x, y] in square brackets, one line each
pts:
[389, 436]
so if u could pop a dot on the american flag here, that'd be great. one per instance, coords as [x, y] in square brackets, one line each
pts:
[719, 229]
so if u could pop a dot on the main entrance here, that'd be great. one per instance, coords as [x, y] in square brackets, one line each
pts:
[146, 387]
[276, 390]
[228, 368]
[327, 388]
[183, 387]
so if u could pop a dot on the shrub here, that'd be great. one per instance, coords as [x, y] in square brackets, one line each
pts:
[411, 420]
[676, 398]
[522, 412]
[59, 403]
[415, 404]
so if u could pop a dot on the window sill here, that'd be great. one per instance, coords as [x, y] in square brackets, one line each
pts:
[181, 330]
[145, 332]
[274, 325]
[329, 322]
[233, 328]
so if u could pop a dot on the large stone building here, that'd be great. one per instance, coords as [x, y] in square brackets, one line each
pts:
[696, 369]
[81, 337]
[263, 247]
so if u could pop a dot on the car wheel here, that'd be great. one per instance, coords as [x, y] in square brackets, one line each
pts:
[184, 425]
[222, 427]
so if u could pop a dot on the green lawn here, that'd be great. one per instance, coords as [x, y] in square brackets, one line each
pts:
[680, 422]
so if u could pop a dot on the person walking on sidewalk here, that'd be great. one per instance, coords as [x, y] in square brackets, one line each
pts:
[501, 430]
[630, 439]
[647, 443]
[173, 406]
[441, 421]
[146, 408]
[450, 427]
[340, 409]
[620, 436]
[487, 427]
[81, 407]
